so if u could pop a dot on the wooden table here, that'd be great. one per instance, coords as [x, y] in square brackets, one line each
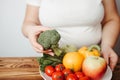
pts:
[27, 68]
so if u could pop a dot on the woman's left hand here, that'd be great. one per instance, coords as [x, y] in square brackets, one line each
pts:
[110, 56]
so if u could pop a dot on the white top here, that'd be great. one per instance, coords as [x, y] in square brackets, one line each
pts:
[78, 21]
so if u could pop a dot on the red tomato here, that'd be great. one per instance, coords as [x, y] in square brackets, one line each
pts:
[66, 72]
[58, 76]
[49, 70]
[79, 74]
[59, 67]
[85, 78]
[71, 77]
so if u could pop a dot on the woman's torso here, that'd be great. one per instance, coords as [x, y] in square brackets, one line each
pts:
[78, 21]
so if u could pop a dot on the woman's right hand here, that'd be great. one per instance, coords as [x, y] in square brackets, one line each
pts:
[31, 30]
[33, 33]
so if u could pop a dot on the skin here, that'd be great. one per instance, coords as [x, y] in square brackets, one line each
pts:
[110, 33]
[32, 28]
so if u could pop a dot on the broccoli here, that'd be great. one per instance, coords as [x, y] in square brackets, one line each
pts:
[49, 38]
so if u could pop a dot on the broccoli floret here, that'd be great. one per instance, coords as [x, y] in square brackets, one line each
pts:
[49, 38]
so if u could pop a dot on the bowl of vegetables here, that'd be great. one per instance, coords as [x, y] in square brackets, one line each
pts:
[67, 63]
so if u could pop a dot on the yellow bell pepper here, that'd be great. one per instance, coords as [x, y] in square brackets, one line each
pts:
[93, 50]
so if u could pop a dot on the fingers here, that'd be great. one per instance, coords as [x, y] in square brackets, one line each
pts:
[38, 48]
[45, 52]
[35, 44]
[51, 53]
[113, 63]
[106, 57]
[34, 35]
[34, 32]
[113, 60]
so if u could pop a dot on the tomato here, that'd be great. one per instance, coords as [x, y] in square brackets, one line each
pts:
[79, 74]
[71, 77]
[66, 72]
[85, 78]
[49, 70]
[58, 76]
[59, 67]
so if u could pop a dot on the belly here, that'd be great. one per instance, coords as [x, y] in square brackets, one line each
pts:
[80, 36]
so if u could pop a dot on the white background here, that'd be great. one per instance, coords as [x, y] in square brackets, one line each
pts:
[12, 42]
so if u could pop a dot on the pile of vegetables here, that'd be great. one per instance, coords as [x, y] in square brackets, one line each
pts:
[49, 40]
[68, 62]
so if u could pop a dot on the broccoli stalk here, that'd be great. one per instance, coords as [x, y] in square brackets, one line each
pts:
[57, 50]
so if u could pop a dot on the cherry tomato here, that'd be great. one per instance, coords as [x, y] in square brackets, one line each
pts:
[49, 70]
[85, 78]
[58, 76]
[71, 77]
[59, 67]
[79, 74]
[66, 72]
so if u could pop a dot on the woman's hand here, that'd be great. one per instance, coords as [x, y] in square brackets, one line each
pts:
[110, 32]
[32, 34]
[110, 56]
[31, 28]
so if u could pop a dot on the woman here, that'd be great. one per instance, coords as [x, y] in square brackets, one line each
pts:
[80, 22]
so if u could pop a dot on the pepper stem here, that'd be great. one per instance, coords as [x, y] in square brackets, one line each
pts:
[94, 47]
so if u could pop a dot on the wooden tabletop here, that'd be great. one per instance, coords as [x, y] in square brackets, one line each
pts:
[27, 68]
